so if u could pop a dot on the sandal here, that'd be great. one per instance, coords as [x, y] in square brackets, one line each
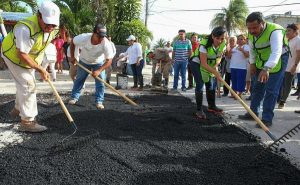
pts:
[200, 114]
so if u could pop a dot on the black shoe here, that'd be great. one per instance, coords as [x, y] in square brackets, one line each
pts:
[266, 123]
[297, 111]
[281, 105]
[190, 87]
[248, 99]
[296, 93]
[183, 89]
[214, 109]
[225, 95]
[246, 116]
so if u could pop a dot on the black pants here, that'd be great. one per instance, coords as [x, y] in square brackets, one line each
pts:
[137, 73]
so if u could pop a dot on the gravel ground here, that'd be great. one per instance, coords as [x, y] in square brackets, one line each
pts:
[159, 142]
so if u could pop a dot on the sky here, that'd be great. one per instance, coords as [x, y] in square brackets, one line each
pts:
[166, 24]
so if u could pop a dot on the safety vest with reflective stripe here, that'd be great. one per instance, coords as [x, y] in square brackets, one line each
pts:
[212, 54]
[36, 34]
[262, 47]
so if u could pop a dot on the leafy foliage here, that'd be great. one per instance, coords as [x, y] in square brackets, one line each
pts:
[160, 43]
[232, 18]
[14, 6]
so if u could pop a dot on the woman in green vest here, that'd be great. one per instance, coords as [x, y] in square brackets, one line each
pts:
[211, 51]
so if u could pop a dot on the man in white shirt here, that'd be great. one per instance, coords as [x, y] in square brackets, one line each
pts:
[135, 60]
[96, 55]
[268, 59]
[23, 51]
[292, 66]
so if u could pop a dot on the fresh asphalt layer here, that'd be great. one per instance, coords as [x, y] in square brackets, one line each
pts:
[14, 142]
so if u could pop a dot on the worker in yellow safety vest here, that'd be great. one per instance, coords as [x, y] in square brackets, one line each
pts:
[269, 54]
[23, 52]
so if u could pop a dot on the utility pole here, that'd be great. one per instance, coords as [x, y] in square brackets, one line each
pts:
[146, 13]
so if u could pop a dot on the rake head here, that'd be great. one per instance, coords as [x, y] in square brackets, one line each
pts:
[274, 146]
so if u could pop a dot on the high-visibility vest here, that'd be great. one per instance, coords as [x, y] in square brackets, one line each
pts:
[262, 47]
[38, 48]
[212, 54]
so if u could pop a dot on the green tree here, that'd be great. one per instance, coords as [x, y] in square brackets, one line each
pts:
[233, 17]
[160, 43]
[14, 6]
[135, 27]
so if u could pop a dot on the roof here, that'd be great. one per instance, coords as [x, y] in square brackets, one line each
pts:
[15, 16]
[282, 15]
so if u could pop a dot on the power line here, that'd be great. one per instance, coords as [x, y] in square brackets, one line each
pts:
[274, 6]
[217, 9]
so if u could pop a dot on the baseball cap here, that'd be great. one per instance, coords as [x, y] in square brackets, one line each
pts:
[100, 30]
[131, 37]
[50, 12]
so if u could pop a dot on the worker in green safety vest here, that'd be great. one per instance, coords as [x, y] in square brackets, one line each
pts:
[23, 52]
[269, 53]
[210, 53]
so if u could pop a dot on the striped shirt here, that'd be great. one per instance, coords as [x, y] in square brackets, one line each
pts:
[181, 50]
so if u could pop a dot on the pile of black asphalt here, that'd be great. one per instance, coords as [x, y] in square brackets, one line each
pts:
[159, 142]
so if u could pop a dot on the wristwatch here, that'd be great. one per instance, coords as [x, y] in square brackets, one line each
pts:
[266, 68]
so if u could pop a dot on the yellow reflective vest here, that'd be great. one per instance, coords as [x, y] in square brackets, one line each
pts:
[212, 55]
[36, 34]
[262, 47]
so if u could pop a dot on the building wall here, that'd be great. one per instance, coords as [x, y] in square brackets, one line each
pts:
[284, 21]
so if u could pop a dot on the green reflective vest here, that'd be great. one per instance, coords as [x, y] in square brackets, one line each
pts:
[212, 55]
[262, 47]
[36, 34]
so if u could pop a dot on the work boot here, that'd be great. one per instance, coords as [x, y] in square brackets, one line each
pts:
[199, 99]
[14, 113]
[211, 101]
[246, 116]
[31, 126]
[166, 82]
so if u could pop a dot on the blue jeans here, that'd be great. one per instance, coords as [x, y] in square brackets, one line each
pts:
[81, 77]
[180, 66]
[195, 67]
[268, 92]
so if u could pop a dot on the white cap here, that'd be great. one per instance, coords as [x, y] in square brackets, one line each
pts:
[50, 12]
[131, 37]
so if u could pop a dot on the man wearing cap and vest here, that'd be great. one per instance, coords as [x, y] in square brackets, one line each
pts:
[268, 58]
[96, 55]
[23, 52]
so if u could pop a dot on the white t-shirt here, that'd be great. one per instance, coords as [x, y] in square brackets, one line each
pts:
[76, 52]
[294, 44]
[93, 54]
[50, 52]
[23, 41]
[238, 60]
[133, 52]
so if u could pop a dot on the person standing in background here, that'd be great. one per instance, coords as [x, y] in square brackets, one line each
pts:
[109, 69]
[59, 42]
[195, 45]
[182, 50]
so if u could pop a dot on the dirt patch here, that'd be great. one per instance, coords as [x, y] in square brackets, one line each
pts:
[159, 142]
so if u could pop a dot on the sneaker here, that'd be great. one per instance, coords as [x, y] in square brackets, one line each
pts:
[249, 98]
[99, 106]
[14, 113]
[190, 87]
[296, 93]
[224, 95]
[31, 126]
[183, 89]
[72, 101]
[246, 116]
[281, 105]
[266, 123]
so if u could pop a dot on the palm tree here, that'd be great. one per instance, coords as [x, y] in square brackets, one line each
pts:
[160, 43]
[232, 18]
[14, 6]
